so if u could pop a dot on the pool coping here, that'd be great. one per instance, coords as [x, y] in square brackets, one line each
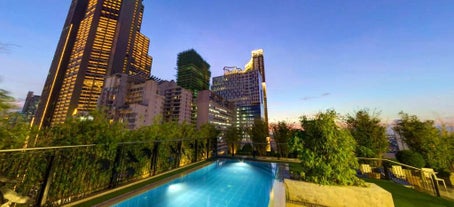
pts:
[278, 186]
[190, 167]
[150, 186]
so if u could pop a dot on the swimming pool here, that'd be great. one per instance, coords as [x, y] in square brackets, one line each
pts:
[222, 183]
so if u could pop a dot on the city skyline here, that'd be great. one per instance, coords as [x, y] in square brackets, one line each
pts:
[387, 55]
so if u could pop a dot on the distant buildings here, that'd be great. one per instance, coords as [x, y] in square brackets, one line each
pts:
[177, 102]
[102, 61]
[213, 109]
[246, 89]
[136, 103]
[193, 71]
[30, 105]
[92, 46]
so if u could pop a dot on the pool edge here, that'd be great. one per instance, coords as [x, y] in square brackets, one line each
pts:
[108, 202]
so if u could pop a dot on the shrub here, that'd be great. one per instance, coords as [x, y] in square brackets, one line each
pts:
[328, 156]
[247, 149]
[411, 158]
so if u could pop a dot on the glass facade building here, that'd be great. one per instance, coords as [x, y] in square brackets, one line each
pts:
[246, 88]
[92, 46]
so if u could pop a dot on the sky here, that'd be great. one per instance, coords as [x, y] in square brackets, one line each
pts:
[387, 56]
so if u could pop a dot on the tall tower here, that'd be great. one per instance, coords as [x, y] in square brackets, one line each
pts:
[194, 74]
[246, 88]
[193, 71]
[257, 63]
[93, 45]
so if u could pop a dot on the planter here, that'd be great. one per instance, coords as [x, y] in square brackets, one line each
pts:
[300, 193]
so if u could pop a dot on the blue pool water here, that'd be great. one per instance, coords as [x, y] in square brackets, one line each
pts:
[223, 183]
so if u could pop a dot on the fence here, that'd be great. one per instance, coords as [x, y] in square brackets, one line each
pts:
[53, 176]
[407, 175]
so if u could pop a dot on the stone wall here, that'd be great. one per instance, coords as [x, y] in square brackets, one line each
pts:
[300, 193]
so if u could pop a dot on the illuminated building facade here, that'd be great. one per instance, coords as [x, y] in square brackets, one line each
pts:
[257, 63]
[177, 102]
[92, 46]
[246, 88]
[135, 103]
[213, 109]
[193, 71]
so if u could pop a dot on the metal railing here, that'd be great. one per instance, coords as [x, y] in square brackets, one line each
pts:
[53, 176]
[400, 173]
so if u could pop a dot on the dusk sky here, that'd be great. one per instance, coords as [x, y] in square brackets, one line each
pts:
[388, 56]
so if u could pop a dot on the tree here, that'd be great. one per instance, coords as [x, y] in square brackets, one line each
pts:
[369, 134]
[410, 158]
[6, 101]
[14, 128]
[295, 142]
[209, 133]
[328, 156]
[281, 134]
[93, 128]
[425, 138]
[258, 134]
[232, 138]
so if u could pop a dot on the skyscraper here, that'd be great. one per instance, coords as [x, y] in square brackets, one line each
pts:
[193, 71]
[246, 88]
[193, 74]
[93, 45]
[243, 88]
[257, 63]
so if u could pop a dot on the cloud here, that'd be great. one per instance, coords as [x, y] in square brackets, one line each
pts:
[307, 98]
[6, 47]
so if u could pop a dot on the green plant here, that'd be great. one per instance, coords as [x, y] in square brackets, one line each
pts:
[282, 134]
[258, 134]
[410, 157]
[368, 132]
[247, 149]
[232, 138]
[328, 156]
[424, 137]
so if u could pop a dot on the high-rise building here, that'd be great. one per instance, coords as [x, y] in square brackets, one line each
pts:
[246, 88]
[135, 103]
[93, 45]
[213, 109]
[31, 102]
[177, 102]
[257, 63]
[193, 71]
[243, 88]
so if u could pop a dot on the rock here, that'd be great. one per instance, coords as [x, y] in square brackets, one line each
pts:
[301, 193]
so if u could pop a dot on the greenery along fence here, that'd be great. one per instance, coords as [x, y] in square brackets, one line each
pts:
[400, 173]
[53, 176]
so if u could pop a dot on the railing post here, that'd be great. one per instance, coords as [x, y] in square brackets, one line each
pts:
[154, 159]
[208, 148]
[42, 197]
[195, 151]
[435, 183]
[179, 150]
[116, 164]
